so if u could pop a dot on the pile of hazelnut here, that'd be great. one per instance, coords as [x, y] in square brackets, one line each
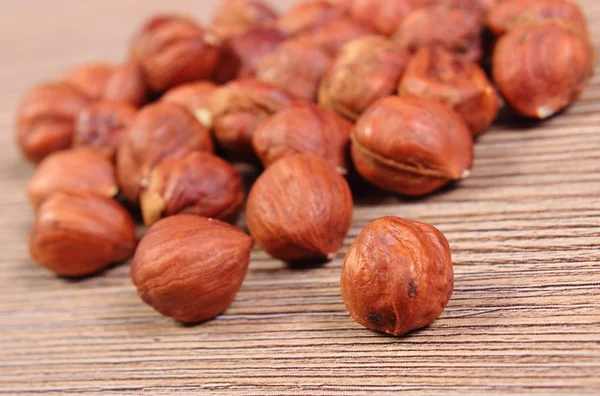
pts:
[393, 91]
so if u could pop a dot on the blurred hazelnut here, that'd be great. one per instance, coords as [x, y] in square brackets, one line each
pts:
[127, 85]
[159, 131]
[307, 16]
[333, 35]
[78, 234]
[195, 97]
[540, 69]
[300, 208]
[236, 17]
[438, 74]
[304, 129]
[398, 276]
[200, 184]
[91, 80]
[481, 7]
[383, 16]
[411, 146]
[190, 268]
[367, 69]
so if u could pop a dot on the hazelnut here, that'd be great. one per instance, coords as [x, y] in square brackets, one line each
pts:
[509, 14]
[101, 126]
[440, 75]
[479, 6]
[333, 35]
[79, 169]
[411, 146]
[304, 129]
[195, 97]
[300, 208]
[127, 85]
[46, 119]
[397, 276]
[200, 184]
[91, 80]
[383, 16]
[237, 109]
[78, 234]
[190, 268]
[367, 69]
[541, 69]
[238, 16]
[295, 67]
[306, 16]
[158, 131]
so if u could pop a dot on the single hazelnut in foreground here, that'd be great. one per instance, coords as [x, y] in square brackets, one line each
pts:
[540, 69]
[46, 119]
[307, 16]
[80, 169]
[300, 208]
[383, 16]
[397, 276]
[333, 35]
[159, 131]
[367, 69]
[304, 129]
[200, 184]
[195, 97]
[437, 74]
[78, 234]
[190, 268]
[411, 146]
[238, 16]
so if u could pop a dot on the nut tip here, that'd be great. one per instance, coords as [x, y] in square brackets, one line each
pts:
[153, 206]
[544, 112]
[204, 116]
[465, 174]
[113, 191]
[341, 171]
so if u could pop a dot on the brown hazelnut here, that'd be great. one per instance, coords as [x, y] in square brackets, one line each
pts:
[241, 54]
[308, 15]
[411, 146]
[238, 108]
[238, 16]
[383, 16]
[541, 69]
[512, 13]
[159, 131]
[78, 234]
[295, 67]
[333, 35]
[479, 6]
[46, 119]
[300, 208]
[367, 69]
[304, 129]
[127, 85]
[455, 29]
[437, 74]
[195, 97]
[200, 184]
[397, 276]
[79, 169]
[91, 80]
[101, 126]
[190, 268]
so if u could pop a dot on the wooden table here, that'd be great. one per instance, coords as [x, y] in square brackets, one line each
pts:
[524, 318]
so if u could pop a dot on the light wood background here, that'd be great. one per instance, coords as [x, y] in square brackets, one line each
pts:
[524, 318]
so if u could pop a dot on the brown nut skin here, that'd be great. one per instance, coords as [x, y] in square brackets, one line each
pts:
[159, 131]
[541, 69]
[91, 80]
[127, 85]
[200, 184]
[300, 208]
[383, 16]
[304, 129]
[480, 6]
[295, 67]
[438, 74]
[367, 69]
[190, 268]
[80, 169]
[308, 15]
[78, 234]
[512, 13]
[398, 276]
[236, 17]
[332, 36]
[46, 119]
[411, 146]
[195, 97]
[101, 126]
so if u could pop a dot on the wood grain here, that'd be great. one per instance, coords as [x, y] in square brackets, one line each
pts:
[524, 318]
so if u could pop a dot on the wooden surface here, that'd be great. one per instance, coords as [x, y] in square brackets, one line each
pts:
[524, 318]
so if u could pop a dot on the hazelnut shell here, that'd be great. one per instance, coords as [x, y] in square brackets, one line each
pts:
[306, 16]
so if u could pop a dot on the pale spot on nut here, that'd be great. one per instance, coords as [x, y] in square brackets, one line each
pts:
[204, 116]
[465, 174]
[544, 112]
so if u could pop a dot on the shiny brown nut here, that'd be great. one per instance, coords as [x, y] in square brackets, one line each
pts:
[238, 16]
[79, 169]
[195, 97]
[101, 126]
[91, 80]
[438, 74]
[190, 268]
[127, 85]
[383, 16]
[367, 69]
[46, 119]
[541, 69]
[398, 276]
[159, 131]
[295, 67]
[307, 16]
[411, 146]
[300, 208]
[333, 35]
[238, 108]
[455, 29]
[78, 234]
[241, 54]
[304, 129]
[200, 184]
[509, 14]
